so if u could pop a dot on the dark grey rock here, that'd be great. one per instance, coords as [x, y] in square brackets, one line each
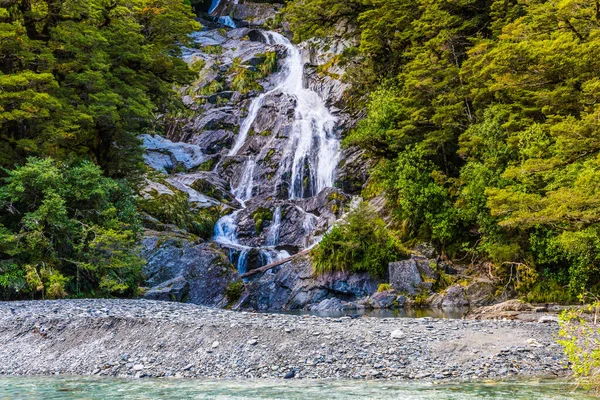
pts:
[385, 299]
[176, 289]
[453, 297]
[292, 286]
[179, 269]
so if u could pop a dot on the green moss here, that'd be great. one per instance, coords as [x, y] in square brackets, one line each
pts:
[269, 155]
[175, 209]
[234, 291]
[198, 65]
[421, 299]
[384, 287]
[217, 49]
[212, 88]
[207, 165]
[205, 187]
[261, 216]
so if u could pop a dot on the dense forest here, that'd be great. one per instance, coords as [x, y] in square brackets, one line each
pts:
[79, 81]
[481, 117]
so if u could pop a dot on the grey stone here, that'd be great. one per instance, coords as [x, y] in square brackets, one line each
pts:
[385, 299]
[181, 270]
[404, 276]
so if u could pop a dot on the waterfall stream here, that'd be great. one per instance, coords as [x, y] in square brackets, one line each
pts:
[224, 19]
[311, 151]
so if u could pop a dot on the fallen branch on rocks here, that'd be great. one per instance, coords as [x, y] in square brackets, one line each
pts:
[274, 264]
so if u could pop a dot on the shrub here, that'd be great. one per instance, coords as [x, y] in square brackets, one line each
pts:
[65, 229]
[361, 243]
[175, 209]
[234, 291]
[579, 339]
[384, 287]
[261, 216]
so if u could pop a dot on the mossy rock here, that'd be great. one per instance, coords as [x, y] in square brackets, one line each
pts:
[261, 216]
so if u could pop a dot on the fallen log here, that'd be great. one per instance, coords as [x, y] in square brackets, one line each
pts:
[274, 264]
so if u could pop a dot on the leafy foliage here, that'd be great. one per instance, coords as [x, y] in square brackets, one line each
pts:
[361, 243]
[176, 209]
[82, 77]
[483, 117]
[580, 338]
[65, 229]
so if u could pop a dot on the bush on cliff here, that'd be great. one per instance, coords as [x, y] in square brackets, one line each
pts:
[361, 243]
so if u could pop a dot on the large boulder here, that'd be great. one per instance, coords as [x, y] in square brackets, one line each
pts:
[409, 276]
[333, 304]
[481, 293]
[165, 156]
[180, 269]
[385, 299]
[454, 296]
[510, 309]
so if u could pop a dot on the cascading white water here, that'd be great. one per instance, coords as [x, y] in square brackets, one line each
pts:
[311, 153]
[243, 192]
[273, 234]
[312, 144]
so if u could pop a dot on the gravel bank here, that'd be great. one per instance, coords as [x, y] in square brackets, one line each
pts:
[139, 338]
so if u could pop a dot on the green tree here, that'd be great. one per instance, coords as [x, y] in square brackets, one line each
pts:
[83, 77]
[361, 243]
[65, 229]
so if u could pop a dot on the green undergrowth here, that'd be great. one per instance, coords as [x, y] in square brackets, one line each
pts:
[361, 243]
[176, 209]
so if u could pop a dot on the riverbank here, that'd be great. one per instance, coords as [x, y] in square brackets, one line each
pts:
[139, 338]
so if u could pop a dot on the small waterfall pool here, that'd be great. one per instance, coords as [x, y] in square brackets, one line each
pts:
[54, 388]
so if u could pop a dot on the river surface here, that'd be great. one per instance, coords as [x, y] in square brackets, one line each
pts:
[108, 388]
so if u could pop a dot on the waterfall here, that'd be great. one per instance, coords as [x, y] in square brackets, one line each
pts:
[311, 152]
[243, 192]
[313, 142]
[224, 19]
[273, 234]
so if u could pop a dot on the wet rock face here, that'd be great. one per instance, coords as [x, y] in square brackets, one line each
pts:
[179, 269]
[257, 180]
[292, 286]
[164, 155]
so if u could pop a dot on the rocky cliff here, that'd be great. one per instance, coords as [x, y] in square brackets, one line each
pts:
[252, 173]
[256, 155]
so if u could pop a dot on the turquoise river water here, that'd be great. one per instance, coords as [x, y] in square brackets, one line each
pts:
[108, 389]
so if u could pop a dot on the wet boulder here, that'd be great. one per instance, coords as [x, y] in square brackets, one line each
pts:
[454, 296]
[384, 299]
[181, 269]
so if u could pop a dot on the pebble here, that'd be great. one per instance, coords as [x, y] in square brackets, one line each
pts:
[196, 341]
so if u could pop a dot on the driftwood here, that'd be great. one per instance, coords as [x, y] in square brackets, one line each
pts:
[274, 264]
